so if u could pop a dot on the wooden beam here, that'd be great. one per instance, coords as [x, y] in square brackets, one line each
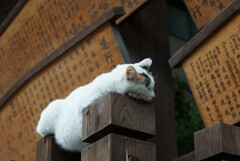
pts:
[110, 15]
[118, 114]
[7, 21]
[219, 141]
[207, 31]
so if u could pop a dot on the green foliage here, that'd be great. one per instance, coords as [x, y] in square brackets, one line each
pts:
[187, 116]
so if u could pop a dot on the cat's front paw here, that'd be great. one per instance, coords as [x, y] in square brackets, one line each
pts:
[134, 95]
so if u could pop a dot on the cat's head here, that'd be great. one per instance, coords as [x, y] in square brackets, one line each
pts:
[138, 80]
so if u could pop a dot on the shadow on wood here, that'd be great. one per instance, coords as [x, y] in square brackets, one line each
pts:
[48, 150]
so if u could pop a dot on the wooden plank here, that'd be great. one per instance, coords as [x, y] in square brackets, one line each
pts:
[42, 27]
[202, 12]
[98, 52]
[110, 15]
[118, 148]
[220, 141]
[202, 36]
[186, 157]
[118, 114]
[146, 35]
[11, 15]
[48, 150]
[213, 74]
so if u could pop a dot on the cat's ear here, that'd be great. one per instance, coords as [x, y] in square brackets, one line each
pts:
[132, 74]
[146, 63]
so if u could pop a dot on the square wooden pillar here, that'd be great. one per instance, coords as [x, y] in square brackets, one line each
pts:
[119, 148]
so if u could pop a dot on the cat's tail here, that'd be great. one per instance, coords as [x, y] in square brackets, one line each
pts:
[48, 118]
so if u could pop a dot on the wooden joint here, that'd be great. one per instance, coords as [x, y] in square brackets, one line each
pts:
[118, 114]
[119, 148]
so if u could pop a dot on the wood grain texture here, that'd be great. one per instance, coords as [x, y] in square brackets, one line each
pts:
[186, 157]
[48, 150]
[202, 12]
[213, 74]
[110, 15]
[42, 27]
[118, 114]
[204, 34]
[118, 148]
[98, 52]
[219, 141]
[146, 34]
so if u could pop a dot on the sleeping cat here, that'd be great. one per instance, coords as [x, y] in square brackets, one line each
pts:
[63, 117]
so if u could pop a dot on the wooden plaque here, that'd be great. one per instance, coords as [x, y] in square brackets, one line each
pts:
[99, 52]
[118, 114]
[119, 148]
[49, 49]
[211, 62]
[213, 72]
[203, 11]
[42, 27]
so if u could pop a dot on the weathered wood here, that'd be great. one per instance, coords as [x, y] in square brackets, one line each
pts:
[203, 11]
[110, 15]
[186, 157]
[48, 150]
[214, 76]
[98, 52]
[203, 35]
[42, 27]
[118, 148]
[118, 114]
[218, 142]
[212, 70]
[146, 35]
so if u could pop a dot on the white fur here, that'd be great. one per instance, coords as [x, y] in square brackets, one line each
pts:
[63, 117]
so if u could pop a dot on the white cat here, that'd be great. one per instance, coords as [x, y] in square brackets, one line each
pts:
[63, 117]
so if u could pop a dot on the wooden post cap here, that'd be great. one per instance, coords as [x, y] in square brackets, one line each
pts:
[118, 114]
[219, 141]
[119, 148]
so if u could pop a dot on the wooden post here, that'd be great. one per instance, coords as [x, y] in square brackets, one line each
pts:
[122, 115]
[48, 150]
[146, 35]
[118, 114]
[186, 157]
[119, 148]
[219, 141]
